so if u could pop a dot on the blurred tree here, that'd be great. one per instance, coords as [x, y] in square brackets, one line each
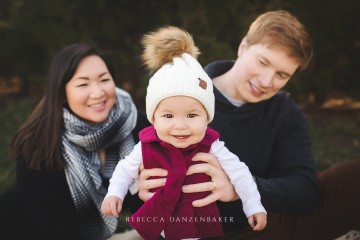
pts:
[32, 31]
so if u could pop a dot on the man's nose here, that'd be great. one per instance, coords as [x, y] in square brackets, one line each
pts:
[266, 79]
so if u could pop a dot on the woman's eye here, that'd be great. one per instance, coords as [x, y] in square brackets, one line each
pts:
[82, 85]
[105, 80]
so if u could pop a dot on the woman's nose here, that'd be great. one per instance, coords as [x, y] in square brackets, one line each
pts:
[96, 90]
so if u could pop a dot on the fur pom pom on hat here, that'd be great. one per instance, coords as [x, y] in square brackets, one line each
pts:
[170, 53]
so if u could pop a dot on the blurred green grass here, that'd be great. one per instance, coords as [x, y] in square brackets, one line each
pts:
[13, 112]
[335, 134]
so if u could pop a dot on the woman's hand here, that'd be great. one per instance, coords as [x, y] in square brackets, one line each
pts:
[145, 184]
[220, 185]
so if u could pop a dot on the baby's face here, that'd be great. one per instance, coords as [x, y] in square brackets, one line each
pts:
[180, 121]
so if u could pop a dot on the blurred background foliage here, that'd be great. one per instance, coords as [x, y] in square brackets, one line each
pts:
[33, 31]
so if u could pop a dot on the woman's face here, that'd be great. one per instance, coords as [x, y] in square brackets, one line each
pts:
[90, 93]
[261, 72]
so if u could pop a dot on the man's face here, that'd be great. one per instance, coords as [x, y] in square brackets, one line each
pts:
[261, 72]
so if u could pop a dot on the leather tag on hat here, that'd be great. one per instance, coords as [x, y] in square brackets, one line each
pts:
[202, 84]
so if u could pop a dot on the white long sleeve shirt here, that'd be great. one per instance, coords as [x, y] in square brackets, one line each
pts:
[127, 170]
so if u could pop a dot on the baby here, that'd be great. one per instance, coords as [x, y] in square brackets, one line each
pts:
[180, 105]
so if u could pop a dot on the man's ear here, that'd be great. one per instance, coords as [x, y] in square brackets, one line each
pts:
[242, 47]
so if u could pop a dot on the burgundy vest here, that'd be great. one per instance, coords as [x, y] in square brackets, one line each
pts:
[170, 209]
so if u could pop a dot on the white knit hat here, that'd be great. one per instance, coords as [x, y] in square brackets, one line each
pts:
[181, 76]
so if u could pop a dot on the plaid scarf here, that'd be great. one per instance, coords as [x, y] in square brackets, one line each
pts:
[80, 145]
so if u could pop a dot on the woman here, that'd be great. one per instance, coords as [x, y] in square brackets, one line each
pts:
[67, 150]
[264, 127]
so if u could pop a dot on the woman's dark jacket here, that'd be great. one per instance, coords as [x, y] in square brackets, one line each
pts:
[40, 205]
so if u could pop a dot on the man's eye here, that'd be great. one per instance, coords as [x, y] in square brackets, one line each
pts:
[262, 62]
[282, 76]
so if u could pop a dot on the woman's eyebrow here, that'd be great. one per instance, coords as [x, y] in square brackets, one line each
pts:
[87, 78]
[102, 74]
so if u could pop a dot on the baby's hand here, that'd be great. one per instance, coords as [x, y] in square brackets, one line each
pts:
[257, 221]
[111, 205]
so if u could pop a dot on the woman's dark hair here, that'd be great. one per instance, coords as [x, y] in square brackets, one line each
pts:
[37, 143]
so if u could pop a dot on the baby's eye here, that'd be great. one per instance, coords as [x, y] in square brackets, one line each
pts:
[168, 116]
[192, 115]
